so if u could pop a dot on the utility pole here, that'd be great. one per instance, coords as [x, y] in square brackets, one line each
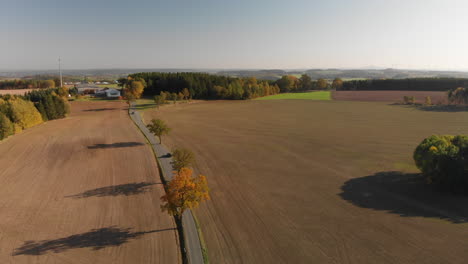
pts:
[60, 70]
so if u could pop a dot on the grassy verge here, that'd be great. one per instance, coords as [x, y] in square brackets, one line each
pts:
[320, 95]
[202, 240]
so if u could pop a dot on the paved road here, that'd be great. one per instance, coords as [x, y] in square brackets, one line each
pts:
[192, 241]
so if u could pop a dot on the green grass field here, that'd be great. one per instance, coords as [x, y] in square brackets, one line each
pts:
[112, 85]
[322, 95]
[145, 104]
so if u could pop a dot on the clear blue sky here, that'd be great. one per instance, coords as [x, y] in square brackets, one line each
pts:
[291, 34]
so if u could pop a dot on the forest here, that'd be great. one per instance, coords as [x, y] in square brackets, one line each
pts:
[203, 85]
[413, 84]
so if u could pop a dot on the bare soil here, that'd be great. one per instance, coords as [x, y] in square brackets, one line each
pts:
[84, 189]
[389, 96]
[319, 182]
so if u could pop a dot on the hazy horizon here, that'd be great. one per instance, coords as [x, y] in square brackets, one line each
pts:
[209, 34]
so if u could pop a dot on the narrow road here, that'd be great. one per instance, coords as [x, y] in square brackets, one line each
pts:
[192, 240]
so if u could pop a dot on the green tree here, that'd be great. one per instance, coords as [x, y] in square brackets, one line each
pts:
[159, 128]
[49, 84]
[182, 158]
[305, 82]
[443, 161]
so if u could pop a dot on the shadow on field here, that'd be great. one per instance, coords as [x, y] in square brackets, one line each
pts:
[437, 108]
[404, 194]
[115, 190]
[116, 145]
[100, 109]
[96, 239]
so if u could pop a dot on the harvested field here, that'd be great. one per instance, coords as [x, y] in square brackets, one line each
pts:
[389, 96]
[15, 91]
[84, 189]
[300, 181]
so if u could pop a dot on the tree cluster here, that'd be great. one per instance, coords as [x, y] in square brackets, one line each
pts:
[443, 161]
[290, 83]
[22, 112]
[202, 85]
[458, 95]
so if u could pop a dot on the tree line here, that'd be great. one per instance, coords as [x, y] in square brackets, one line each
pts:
[28, 84]
[290, 83]
[21, 112]
[201, 85]
[414, 84]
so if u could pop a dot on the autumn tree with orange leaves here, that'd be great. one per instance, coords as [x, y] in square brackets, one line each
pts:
[184, 192]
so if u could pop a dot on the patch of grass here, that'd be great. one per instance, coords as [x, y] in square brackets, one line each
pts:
[202, 240]
[320, 95]
[94, 99]
[112, 85]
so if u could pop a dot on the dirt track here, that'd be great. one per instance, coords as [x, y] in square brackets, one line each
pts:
[319, 182]
[83, 190]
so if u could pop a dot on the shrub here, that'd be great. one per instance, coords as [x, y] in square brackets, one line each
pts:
[443, 160]
[428, 100]
[6, 127]
[409, 99]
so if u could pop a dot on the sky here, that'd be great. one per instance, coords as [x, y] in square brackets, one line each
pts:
[237, 34]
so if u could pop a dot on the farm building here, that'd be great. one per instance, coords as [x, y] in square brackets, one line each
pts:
[112, 93]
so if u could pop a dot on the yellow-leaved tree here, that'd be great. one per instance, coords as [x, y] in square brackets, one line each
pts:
[184, 192]
[23, 113]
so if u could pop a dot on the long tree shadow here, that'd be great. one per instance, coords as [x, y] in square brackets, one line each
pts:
[100, 109]
[115, 190]
[405, 194]
[96, 239]
[116, 145]
[436, 108]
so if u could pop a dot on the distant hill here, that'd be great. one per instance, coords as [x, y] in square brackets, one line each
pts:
[265, 74]
[347, 73]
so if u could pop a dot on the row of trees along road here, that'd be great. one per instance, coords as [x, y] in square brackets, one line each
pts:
[184, 191]
[21, 112]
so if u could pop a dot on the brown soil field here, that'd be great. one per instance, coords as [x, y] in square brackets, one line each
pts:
[15, 91]
[319, 182]
[389, 96]
[84, 189]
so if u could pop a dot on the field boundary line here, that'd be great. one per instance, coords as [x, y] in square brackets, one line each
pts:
[192, 248]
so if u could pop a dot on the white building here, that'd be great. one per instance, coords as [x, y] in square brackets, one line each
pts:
[112, 93]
